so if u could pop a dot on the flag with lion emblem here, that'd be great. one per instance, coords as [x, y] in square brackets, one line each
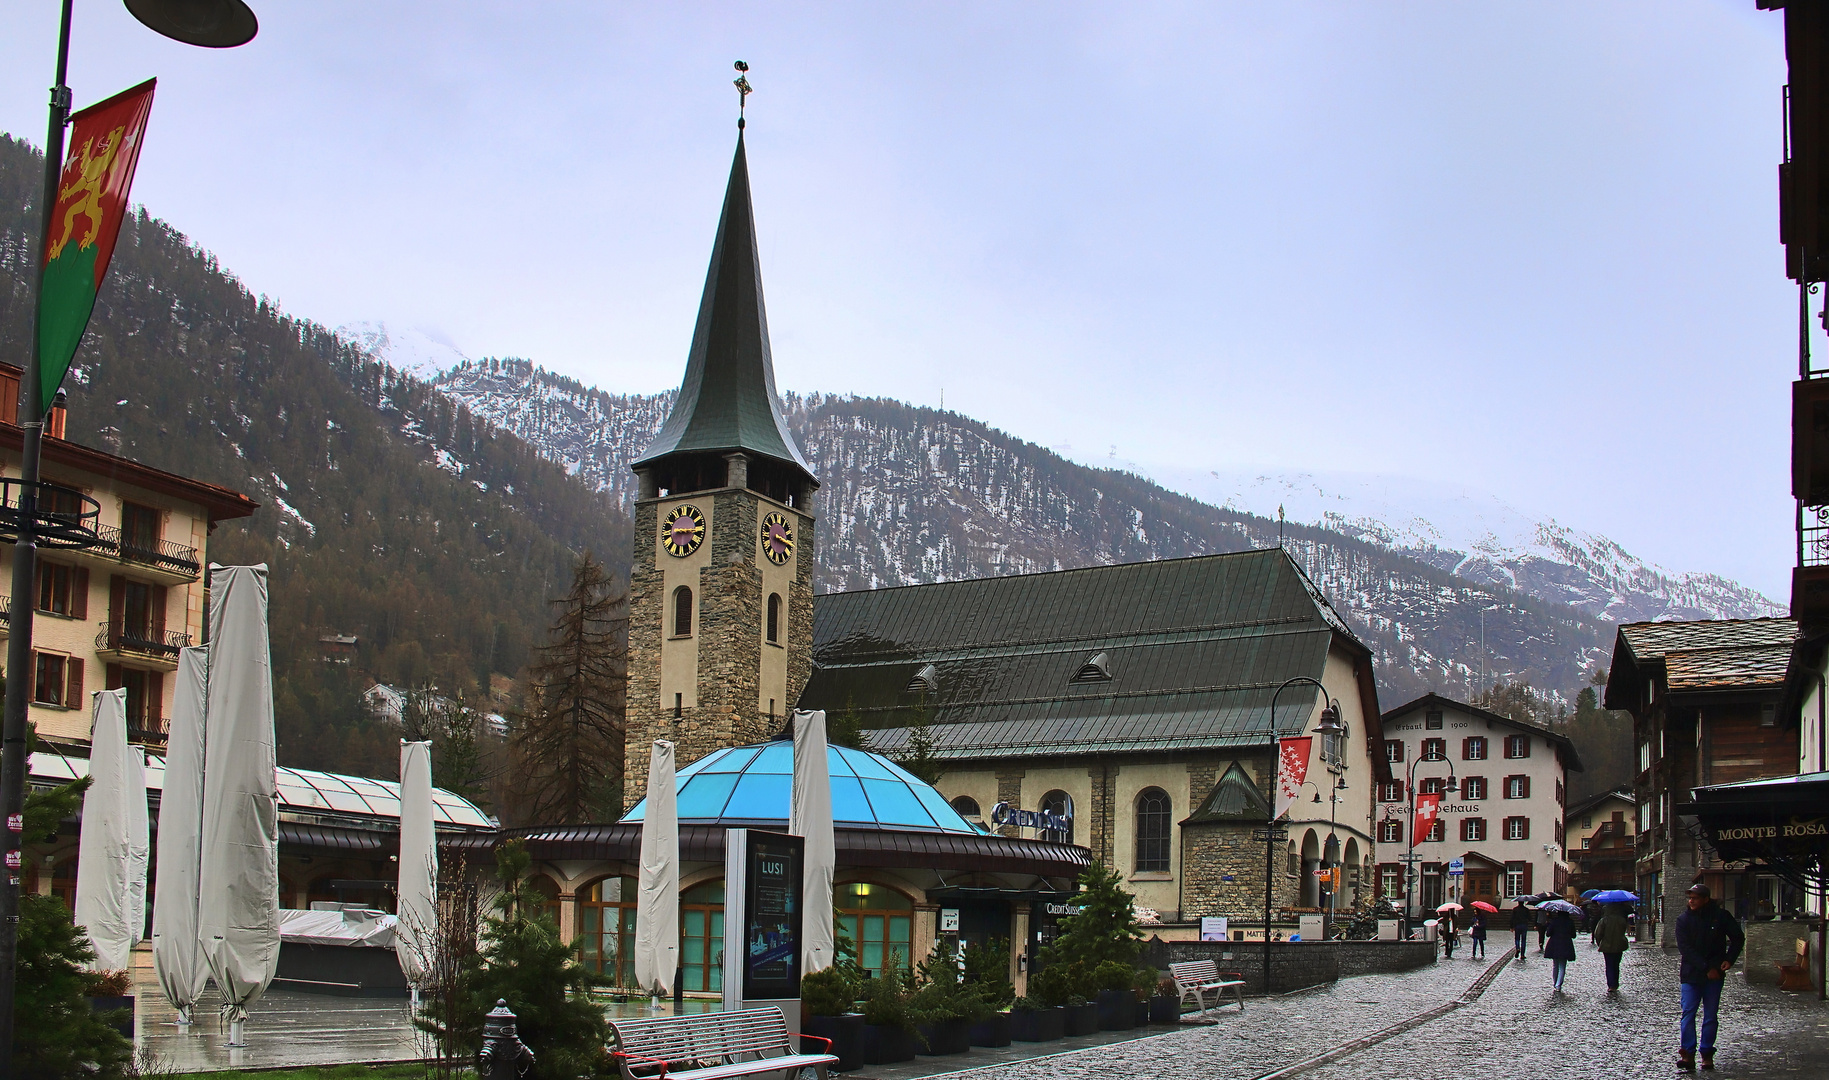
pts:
[85, 220]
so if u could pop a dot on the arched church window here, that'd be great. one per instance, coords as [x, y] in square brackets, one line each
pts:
[1059, 802]
[682, 612]
[1153, 830]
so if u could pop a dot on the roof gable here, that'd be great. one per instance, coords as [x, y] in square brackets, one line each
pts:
[1564, 745]
[1705, 655]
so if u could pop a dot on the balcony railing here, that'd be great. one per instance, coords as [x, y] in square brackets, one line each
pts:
[163, 554]
[147, 731]
[1813, 535]
[145, 642]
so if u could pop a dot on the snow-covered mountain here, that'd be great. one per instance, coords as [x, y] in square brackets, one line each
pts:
[914, 495]
[423, 354]
[1480, 537]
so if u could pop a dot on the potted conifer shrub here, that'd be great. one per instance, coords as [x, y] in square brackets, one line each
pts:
[987, 970]
[826, 1000]
[1116, 999]
[1031, 1021]
[945, 1006]
[111, 999]
[1096, 950]
[888, 1020]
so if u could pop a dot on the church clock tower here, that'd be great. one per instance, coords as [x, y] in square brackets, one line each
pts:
[721, 583]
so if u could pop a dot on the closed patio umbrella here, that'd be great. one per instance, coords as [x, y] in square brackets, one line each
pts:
[177, 957]
[810, 816]
[417, 905]
[238, 877]
[657, 890]
[111, 862]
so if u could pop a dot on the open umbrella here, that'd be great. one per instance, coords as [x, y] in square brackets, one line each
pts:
[1559, 905]
[1527, 901]
[1484, 906]
[1590, 894]
[1616, 896]
[1449, 907]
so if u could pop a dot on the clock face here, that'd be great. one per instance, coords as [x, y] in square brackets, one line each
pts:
[777, 538]
[683, 531]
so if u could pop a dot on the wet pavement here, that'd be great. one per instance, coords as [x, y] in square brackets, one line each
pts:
[1378, 1027]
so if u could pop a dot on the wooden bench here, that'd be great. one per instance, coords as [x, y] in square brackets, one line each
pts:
[1199, 976]
[1796, 976]
[711, 1046]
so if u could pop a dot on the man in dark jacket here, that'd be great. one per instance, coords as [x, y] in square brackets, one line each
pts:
[1520, 928]
[1709, 940]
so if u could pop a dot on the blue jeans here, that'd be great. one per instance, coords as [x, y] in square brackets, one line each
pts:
[1518, 935]
[1558, 968]
[1708, 996]
[1612, 959]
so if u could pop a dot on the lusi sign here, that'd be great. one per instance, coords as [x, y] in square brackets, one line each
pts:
[1047, 820]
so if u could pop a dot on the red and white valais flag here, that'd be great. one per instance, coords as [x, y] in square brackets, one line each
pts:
[1292, 769]
[1428, 808]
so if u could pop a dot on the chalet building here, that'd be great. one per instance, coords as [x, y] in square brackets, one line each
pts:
[1135, 702]
[1503, 784]
[1706, 700]
[1603, 845]
[114, 615]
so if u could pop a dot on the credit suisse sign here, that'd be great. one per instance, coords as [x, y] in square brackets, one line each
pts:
[1048, 820]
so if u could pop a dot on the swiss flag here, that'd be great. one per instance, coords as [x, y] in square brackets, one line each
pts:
[1292, 769]
[1428, 808]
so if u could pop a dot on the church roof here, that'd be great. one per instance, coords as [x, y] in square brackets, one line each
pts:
[1155, 656]
[727, 401]
[1234, 798]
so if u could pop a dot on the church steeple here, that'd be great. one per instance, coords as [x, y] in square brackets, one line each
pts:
[727, 417]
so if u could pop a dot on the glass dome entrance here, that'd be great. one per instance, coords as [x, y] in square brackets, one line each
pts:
[753, 784]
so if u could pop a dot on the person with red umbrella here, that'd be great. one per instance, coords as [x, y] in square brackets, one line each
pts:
[1477, 933]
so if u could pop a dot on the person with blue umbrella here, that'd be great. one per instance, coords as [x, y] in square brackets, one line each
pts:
[1610, 933]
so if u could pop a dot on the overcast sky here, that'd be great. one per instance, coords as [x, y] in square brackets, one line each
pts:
[1527, 248]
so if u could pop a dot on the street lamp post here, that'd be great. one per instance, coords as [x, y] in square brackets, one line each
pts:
[210, 23]
[1448, 788]
[1330, 724]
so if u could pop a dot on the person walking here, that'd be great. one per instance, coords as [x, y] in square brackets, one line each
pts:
[1709, 940]
[1543, 922]
[1444, 928]
[1559, 929]
[1520, 928]
[1477, 935]
[1610, 938]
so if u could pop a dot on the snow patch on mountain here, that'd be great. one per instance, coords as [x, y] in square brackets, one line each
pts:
[421, 353]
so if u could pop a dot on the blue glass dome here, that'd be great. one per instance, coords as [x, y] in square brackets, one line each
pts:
[754, 784]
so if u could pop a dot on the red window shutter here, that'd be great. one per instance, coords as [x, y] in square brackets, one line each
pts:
[1467, 749]
[79, 592]
[1526, 824]
[1526, 782]
[112, 677]
[73, 680]
[155, 698]
[1524, 746]
[117, 602]
[158, 600]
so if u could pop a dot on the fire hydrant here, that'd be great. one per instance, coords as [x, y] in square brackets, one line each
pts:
[503, 1056]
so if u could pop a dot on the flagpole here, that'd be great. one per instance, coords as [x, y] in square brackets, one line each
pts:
[25, 565]
[1270, 837]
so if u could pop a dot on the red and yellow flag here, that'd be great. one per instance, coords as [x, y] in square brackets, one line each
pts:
[91, 201]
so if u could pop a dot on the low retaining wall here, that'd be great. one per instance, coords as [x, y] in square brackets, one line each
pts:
[1294, 964]
[1769, 944]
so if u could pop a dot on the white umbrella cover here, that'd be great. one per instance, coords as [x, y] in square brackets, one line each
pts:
[810, 816]
[110, 855]
[657, 891]
[238, 876]
[177, 956]
[417, 907]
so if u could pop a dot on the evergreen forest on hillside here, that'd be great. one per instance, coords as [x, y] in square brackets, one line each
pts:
[386, 511]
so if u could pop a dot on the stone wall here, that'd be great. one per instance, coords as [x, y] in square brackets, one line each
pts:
[1769, 944]
[1294, 965]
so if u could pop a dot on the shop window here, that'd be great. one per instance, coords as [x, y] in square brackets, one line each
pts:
[701, 937]
[682, 612]
[774, 618]
[606, 929]
[1153, 830]
[880, 920]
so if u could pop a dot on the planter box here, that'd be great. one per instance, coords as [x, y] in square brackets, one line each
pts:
[1115, 1010]
[1140, 1012]
[1082, 1019]
[116, 1011]
[1164, 1010]
[944, 1037]
[887, 1045]
[993, 1030]
[846, 1033]
[1038, 1025]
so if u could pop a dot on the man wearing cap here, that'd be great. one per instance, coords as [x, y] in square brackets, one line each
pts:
[1709, 940]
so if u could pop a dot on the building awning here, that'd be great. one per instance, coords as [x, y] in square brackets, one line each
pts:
[1782, 822]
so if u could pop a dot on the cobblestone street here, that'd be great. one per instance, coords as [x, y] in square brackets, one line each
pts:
[1516, 1029]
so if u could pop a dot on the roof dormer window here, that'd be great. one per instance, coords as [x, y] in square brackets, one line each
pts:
[1097, 669]
[925, 681]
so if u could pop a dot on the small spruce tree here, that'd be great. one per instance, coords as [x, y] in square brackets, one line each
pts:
[1105, 932]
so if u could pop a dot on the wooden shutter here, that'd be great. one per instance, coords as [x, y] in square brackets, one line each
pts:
[73, 683]
[79, 592]
[1524, 746]
[157, 599]
[155, 699]
[117, 602]
[1527, 878]
[1526, 782]
[1525, 832]
[112, 677]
